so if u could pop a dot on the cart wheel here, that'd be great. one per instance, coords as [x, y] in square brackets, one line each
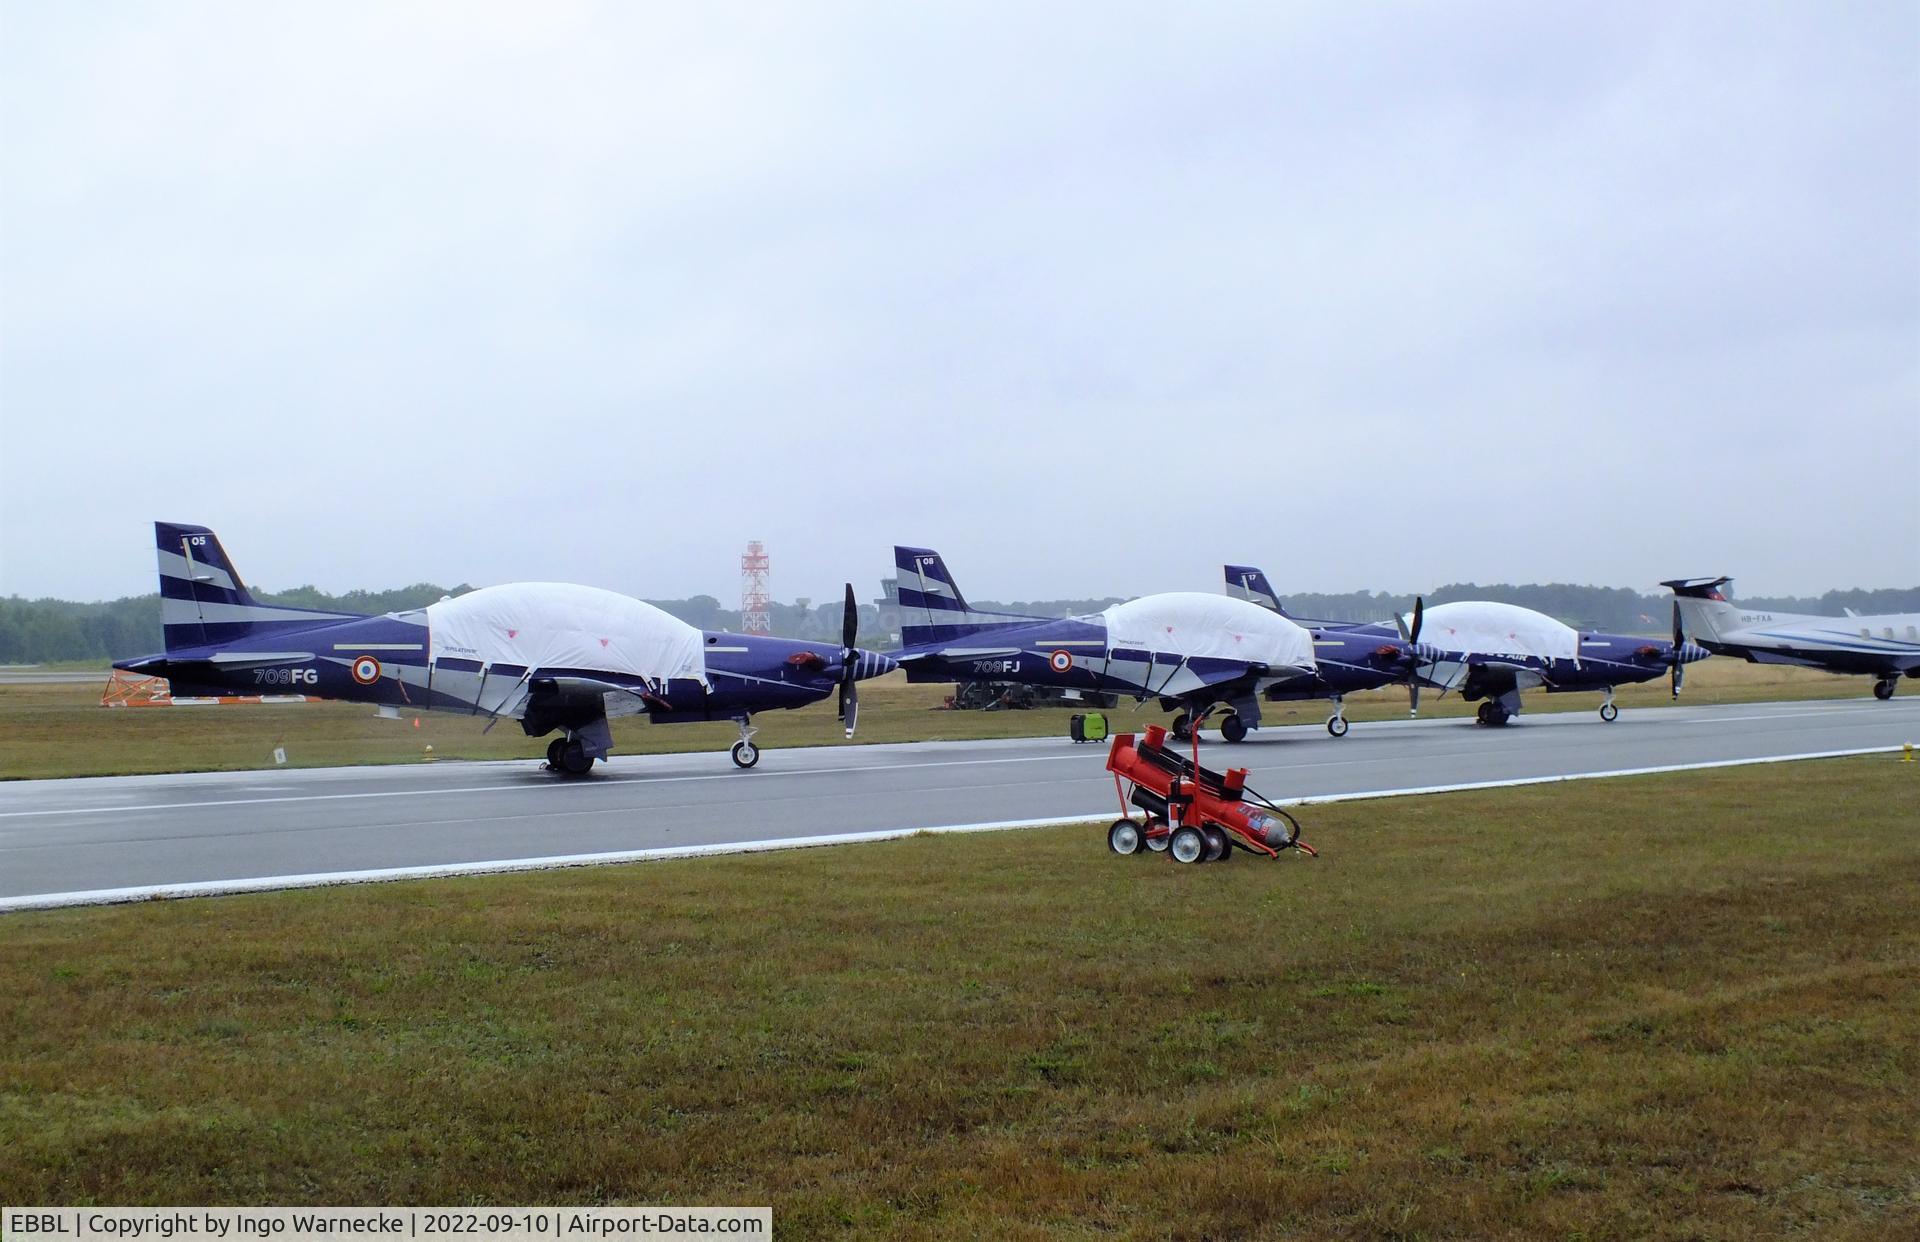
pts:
[1124, 837]
[1218, 847]
[1186, 845]
[1157, 844]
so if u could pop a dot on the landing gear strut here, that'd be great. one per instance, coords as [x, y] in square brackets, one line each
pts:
[568, 755]
[1608, 712]
[745, 753]
[1883, 689]
[1337, 723]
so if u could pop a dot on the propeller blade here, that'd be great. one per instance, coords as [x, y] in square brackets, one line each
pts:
[849, 710]
[1410, 635]
[1679, 674]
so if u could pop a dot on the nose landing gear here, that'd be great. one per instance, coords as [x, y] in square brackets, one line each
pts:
[1608, 712]
[745, 753]
[1337, 723]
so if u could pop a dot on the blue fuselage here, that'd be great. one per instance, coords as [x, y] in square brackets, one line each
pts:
[385, 661]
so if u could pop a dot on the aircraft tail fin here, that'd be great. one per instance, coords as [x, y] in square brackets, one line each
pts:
[932, 610]
[1704, 606]
[1701, 588]
[203, 599]
[1248, 583]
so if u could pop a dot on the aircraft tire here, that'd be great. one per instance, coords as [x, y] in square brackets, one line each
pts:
[1485, 714]
[1187, 845]
[1609, 713]
[574, 759]
[745, 754]
[1233, 728]
[1125, 838]
[1883, 689]
[1337, 726]
[1179, 728]
[554, 748]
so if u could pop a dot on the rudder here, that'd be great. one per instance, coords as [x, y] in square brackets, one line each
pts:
[932, 610]
[203, 600]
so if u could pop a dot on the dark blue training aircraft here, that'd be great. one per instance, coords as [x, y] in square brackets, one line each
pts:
[1351, 658]
[550, 655]
[1490, 652]
[1192, 652]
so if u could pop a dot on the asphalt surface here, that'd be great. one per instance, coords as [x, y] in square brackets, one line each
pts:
[114, 833]
[19, 676]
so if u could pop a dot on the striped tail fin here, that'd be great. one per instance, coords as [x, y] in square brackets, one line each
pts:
[1248, 583]
[932, 610]
[203, 602]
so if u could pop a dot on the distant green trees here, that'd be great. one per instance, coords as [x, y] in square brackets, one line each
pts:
[39, 631]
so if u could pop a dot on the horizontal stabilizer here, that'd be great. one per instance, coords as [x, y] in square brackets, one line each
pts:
[1701, 588]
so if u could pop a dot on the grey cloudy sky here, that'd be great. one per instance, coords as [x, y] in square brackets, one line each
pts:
[1091, 297]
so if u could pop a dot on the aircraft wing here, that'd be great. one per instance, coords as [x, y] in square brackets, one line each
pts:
[1184, 680]
[1499, 674]
[620, 699]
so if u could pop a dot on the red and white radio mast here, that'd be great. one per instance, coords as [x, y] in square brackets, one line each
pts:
[754, 618]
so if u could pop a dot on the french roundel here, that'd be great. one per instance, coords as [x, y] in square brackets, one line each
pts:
[366, 670]
[1061, 661]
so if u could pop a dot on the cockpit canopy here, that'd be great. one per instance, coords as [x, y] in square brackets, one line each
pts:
[1190, 623]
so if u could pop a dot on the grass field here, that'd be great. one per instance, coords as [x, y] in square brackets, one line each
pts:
[60, 730]
[1677, 1006]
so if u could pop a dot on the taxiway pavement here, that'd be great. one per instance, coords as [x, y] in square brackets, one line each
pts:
[104, 836]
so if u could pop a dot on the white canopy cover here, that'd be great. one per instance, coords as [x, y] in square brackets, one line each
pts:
[1190, 623]
[548, 625]
[1488, 628]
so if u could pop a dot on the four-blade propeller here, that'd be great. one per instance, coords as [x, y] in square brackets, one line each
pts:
[1410, 635]
[849, 663]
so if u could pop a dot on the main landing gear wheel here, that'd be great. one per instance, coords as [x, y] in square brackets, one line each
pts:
[1125, 838]
[1883, 689]
[1609, 713]
[1493, 715]
[1187, 845]
[1337, 725]
[1157, 844]
[569, 755]
[1181, 728]
[1233, 729]
[745, 754]
[1219, 849]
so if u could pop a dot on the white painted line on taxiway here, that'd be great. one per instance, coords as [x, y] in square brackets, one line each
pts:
[602, 783]
[212, 888]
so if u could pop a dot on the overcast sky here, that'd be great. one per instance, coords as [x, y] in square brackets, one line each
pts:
[1089, 297]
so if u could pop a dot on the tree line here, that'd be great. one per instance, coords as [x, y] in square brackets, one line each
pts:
[40, 631]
